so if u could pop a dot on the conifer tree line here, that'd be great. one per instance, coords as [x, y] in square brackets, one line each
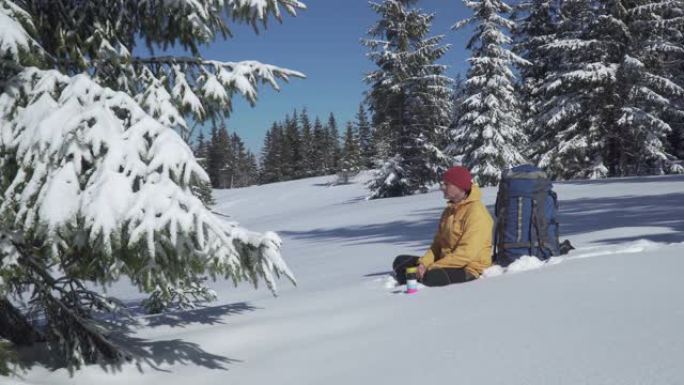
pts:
[301, 147]
[582, 88]
[227, 161]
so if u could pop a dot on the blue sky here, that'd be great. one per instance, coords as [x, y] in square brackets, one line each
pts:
[323, 42]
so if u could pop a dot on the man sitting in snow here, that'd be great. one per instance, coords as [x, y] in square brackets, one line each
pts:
[462, 247]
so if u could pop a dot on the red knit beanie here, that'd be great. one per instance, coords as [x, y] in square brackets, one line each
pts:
[459, 177]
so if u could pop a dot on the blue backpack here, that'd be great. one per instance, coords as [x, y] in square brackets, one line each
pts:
[526, 216]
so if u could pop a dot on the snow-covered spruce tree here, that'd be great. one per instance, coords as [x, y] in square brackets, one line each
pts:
[651, 92]
[429, 111]
[409, 97]
[388, 44]
[390, 180]
[95, 180]
[535, 26]
[608, 96]
[458, 95]
[488, 137]
[569, 140]
[676, 70]
[676, 136]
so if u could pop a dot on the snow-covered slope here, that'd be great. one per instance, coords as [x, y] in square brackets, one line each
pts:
[608, 313]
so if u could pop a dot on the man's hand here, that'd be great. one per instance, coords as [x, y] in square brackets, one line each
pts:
[421, 271]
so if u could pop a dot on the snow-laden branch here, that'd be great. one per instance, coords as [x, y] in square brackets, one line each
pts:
[99, 176]
[16, 29]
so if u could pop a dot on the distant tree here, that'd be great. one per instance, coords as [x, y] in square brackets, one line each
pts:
[271, 164]
[350, 163]
[252, 174]
[241, 167]
[321, 149]
[294, 148]
[203, 189]
[214, 162]
[308, 147]
[333, 145]
[220, 154]
[366, 144]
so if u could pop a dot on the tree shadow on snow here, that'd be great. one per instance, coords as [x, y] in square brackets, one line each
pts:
[142, 352]
[211, 315]
[575, 216]
[353, 200]
[596, 214]
[416, 230]
[635, 179]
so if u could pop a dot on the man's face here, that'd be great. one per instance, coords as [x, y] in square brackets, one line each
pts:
[452, 193]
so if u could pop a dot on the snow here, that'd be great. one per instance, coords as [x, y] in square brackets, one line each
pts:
[212, 88]
[13, 36]
[607, 313]
[183, 92]
[91, 160]
[259, 8]
[60, 197]
[157, 102]
[527, 263]
[593, 73]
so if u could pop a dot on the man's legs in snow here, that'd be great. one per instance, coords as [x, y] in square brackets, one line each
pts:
[433, 277]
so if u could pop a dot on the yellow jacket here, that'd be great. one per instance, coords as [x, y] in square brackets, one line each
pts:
[464, 237]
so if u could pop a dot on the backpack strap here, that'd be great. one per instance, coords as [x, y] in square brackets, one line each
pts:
[533, 226]
[547, 242]
[539, 234]
[496, 245]
[519, 229]
[500, 210]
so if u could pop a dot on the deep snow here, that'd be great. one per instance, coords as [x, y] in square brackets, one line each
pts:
[609, 313]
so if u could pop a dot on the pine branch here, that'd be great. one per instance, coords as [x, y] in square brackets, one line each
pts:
[14, 326]
[7, 357]
[70, 326]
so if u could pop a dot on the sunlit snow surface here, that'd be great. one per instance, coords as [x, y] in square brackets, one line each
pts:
[610, 312]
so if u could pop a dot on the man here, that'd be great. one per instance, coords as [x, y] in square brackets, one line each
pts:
[462, 247]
